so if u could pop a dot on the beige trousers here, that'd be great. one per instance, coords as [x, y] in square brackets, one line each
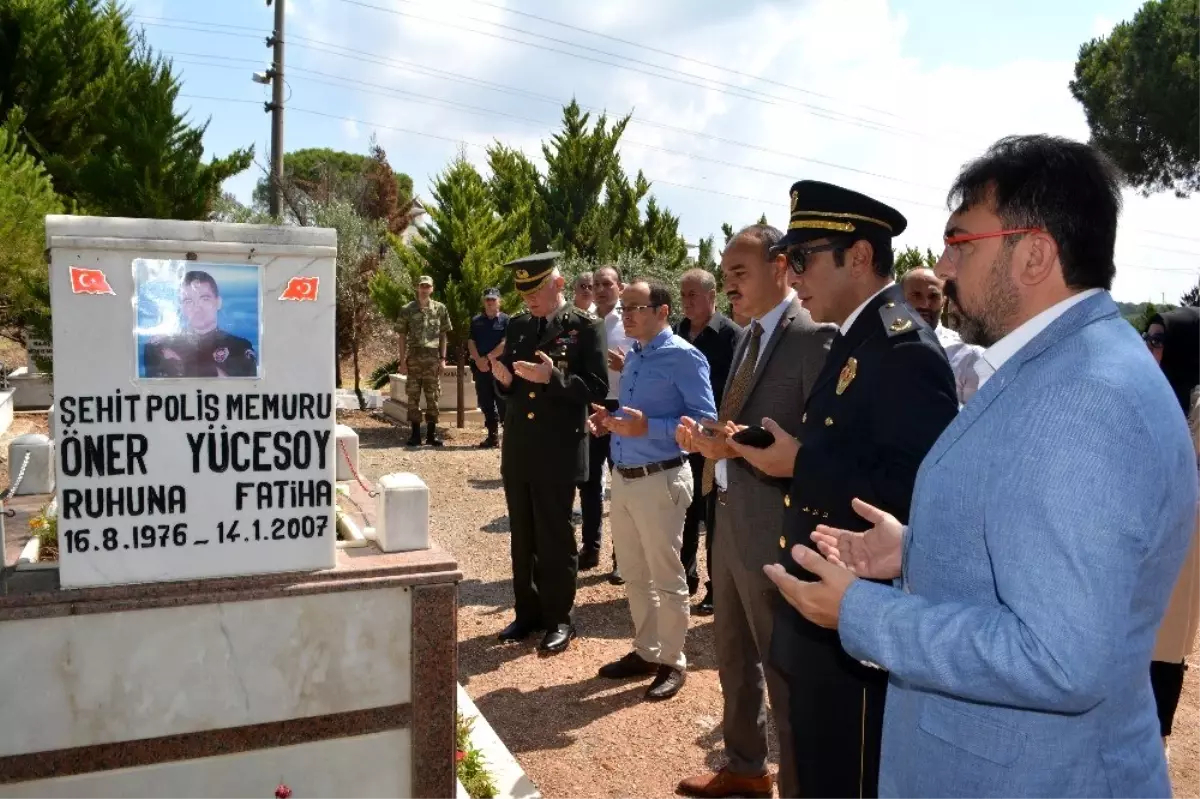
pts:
[646, 516]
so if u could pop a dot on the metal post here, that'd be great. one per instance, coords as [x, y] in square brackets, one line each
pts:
[276, 108]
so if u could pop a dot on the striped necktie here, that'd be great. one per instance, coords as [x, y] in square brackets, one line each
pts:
[731, 403]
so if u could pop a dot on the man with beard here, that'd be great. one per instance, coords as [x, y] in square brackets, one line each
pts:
[927, 295]
[883, 397]
[1048, 524]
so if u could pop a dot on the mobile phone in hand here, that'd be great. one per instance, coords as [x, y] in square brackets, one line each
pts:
[756, 437]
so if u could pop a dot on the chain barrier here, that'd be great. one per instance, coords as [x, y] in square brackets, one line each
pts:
[353, 471]
[12, 489]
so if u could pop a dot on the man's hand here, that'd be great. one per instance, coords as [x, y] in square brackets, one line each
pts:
[402, 367]
[819, 602]
[500, 372]
[876, 554]
[777, 460]
[440, 367]
[597, 423]
[686, 434]
[616, 360]
[535, 372]
[482, 364]
[633, 424]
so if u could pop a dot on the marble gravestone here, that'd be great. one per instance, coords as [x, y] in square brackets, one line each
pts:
[193, 384]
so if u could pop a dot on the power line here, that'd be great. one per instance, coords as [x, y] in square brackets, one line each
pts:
[483, 147]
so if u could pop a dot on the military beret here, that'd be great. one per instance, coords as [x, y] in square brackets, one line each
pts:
[820, 210]
[531, 272]
[424, 280]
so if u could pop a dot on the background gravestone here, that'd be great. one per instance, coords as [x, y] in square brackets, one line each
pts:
[179, 454]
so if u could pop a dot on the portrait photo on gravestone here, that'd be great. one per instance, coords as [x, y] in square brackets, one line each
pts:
[197, 320]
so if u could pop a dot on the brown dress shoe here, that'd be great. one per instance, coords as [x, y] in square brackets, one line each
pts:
[725, 783]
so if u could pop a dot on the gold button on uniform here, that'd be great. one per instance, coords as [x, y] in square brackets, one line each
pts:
[529, 415]
[532, 395]
[787, 500]
[829, 421]
[782, 542]
[804, 418]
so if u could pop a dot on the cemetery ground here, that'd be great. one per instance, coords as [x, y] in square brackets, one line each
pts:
[573, 733]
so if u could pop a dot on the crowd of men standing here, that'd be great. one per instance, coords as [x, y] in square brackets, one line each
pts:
[978, 529]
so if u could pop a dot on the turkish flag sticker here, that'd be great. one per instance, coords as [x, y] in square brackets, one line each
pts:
[301, 288]
[89, 281]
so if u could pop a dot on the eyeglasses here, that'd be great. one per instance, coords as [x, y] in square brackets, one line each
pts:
[632, 308]
[953, 248]
[583, 287]
[1154, 341]
[797, 255]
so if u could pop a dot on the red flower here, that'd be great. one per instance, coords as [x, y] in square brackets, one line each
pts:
[458, 756]
[283, 792]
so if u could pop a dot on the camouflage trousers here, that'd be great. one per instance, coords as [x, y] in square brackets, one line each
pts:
[423, 378]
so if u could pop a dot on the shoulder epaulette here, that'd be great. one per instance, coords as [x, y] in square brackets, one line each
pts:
[897, 318]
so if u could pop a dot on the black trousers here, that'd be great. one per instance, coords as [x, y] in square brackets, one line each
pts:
[836, 712]
[544, 560]
[489, 401]
[591, 493]
[702, 509]
[1167, 681]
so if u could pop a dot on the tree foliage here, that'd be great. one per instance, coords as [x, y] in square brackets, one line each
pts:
[90, 100]
[1191, 296]
[1140, 89]
[323, 174]
[26, 197]
[911, 258]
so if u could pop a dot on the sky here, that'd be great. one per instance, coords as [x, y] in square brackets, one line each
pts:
[731, 102]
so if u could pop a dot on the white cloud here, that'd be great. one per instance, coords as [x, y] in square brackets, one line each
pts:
[933, 117]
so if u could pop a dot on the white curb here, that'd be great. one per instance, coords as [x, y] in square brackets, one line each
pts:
[511, 780]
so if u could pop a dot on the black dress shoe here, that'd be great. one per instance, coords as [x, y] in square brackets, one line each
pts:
[557, 638]
[667, 683]
[517, 631]
[705, 608]
[615, 578]
[632, 665]
[588, 559]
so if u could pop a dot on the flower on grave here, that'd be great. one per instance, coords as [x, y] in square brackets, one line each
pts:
[37, 522]
[283, 792]
[458, 756]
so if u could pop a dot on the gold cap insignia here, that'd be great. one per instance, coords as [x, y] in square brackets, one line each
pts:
[847, 375]
[795, 201]
[522, 274]
[900, 325]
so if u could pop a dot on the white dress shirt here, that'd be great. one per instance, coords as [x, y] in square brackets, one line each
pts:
[614, 332]
[768, 322]
[962, 358]
[845, 328]
[995, 356]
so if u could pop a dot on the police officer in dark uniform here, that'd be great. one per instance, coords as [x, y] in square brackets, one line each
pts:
[552, 369]
[203, 349]
[884, 396]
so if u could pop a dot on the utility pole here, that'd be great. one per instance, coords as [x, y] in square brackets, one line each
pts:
[275, 41]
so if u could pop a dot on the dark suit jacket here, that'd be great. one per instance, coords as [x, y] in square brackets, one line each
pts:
[885, 395]
[545, 425]
[791, 361]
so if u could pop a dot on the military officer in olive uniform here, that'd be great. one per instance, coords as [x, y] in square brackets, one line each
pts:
[424, 326]
[203, 349]
[552, 369]
[884, 396]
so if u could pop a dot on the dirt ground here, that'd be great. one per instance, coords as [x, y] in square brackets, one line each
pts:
[575, 734]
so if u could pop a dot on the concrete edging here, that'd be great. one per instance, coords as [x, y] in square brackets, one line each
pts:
[511, 780]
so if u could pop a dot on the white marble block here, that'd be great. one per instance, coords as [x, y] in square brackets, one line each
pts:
[402, 513]
[39, 473]
[346, 451]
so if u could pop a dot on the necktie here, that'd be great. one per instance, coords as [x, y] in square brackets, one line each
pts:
[731, 403]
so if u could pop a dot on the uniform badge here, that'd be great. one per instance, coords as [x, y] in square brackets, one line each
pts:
[220, 355]
[900, 325]
[847, 375]
[250, 355]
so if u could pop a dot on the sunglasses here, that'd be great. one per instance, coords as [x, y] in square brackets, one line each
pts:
[1154, 341]
[797, 254]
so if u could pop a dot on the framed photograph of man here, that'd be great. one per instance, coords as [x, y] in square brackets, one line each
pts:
[197, 320]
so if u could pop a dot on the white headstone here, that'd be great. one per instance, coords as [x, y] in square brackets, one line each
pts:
[347, 452]
[31, 464]
[34, 348]
[193, 398]
[402, 513]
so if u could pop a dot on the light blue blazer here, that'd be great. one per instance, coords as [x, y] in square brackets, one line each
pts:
[1049, 523]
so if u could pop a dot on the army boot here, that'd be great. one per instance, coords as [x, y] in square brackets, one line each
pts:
[492, 441]
[414, 440]
[431, 436]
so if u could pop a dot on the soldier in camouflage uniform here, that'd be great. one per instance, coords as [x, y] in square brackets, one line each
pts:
[424, 325]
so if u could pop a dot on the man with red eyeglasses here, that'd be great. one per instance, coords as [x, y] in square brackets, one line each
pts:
[885, 394]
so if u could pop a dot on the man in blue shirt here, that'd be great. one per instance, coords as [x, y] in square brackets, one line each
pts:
[664, 378]
[487, 340]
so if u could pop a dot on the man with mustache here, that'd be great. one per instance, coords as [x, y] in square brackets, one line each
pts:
[927, 294]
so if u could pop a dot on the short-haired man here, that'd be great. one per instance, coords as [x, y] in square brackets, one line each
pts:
[715, 335]
[1049, 522]
[884, 396]
[487, 341]
[203, 349]
[664, 379]
[424, 327]
[582, 292]
[925, 292]
[775, 366]
[551, 370]
[606, 291]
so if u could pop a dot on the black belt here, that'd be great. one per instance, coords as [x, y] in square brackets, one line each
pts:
[634, 472]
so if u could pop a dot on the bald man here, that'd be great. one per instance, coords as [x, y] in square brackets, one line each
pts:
[926, 294]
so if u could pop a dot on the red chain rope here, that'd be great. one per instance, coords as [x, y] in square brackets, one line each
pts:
[354, 471]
